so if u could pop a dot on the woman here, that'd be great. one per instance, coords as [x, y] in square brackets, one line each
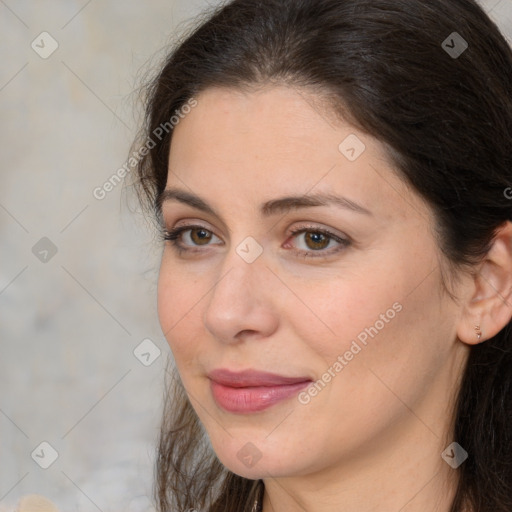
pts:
[330, 178]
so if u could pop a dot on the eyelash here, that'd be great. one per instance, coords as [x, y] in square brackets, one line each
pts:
[174, 234]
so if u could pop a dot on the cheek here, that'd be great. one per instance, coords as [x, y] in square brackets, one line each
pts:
[382, 320]
[390, 336]
[337, 311]
[179, 297]
[168, 305]
[388, 347]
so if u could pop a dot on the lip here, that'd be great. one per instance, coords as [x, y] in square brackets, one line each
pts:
[252, 391]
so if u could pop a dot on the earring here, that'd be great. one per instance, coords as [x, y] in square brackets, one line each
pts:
[478, 331]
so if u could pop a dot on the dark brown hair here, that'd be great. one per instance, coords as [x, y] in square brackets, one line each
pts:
[446, 119]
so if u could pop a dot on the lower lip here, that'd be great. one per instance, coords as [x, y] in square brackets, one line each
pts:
[253, 399]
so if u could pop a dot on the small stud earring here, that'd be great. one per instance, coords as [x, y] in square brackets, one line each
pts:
[478, 331]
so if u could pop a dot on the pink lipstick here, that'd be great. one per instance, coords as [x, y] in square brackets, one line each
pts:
[251, 390]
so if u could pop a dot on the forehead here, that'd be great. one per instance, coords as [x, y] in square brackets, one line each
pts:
[271, 120]
[280, 140]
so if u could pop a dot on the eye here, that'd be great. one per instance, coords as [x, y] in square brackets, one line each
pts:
[318, 240]
[190, 236]
[313, 241]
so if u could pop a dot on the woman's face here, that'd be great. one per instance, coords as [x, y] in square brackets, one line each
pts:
[306, 264]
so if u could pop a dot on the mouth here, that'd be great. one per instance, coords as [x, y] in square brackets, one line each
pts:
[252, 391]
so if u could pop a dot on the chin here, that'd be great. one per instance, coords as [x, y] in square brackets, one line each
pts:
[247, 460]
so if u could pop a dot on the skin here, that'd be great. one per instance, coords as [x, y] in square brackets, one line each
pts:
[371, 439]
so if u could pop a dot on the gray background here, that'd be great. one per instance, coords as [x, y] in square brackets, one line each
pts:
[69, 322]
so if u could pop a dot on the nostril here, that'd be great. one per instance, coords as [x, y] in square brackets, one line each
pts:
[247, 333]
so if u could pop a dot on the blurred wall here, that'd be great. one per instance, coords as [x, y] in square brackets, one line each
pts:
[77, 272]
[82, 356]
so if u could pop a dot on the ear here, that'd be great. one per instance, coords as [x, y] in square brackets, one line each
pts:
[489, 304]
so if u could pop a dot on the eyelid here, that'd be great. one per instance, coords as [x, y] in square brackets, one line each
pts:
[193, 223]
[308, 226]
[172, 217]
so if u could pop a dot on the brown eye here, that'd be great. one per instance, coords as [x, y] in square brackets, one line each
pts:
[189, 237]
[316, 240]
[312, 241]
[200, 236]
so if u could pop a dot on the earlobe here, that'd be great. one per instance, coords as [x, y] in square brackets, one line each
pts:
[489, 309]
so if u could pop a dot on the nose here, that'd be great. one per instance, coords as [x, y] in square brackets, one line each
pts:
[240, 304]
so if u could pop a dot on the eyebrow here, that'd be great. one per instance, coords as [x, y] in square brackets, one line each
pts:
[273, 207]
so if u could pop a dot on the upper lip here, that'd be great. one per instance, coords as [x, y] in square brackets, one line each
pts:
[252, 378]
